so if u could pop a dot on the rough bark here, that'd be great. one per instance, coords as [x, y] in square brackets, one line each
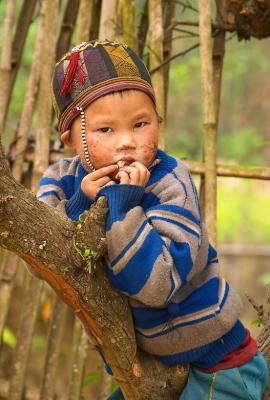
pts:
[249, 17]
[83, 285]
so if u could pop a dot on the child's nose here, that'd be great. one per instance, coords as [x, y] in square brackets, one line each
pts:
[126, 140]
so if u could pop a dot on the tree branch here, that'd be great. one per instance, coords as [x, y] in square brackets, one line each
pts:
[29, 228]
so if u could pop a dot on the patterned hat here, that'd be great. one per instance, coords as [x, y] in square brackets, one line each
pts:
[91, 70]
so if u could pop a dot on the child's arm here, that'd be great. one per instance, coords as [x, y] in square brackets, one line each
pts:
[152, 251]
[56, 188]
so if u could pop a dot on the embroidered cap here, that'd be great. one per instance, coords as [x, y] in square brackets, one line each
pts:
[91, 70]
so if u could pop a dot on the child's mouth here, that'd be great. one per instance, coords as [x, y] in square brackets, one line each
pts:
[121, 164]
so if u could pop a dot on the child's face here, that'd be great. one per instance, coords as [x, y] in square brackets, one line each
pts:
[118, 126]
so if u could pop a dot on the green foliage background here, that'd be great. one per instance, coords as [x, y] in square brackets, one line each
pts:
[244, 120]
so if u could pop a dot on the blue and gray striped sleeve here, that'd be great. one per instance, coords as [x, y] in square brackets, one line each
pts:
[151, 251]
[57, 188]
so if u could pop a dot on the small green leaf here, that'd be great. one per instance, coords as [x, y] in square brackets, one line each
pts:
[257, 322]
[79, 226]
[91, 377]
[9, 338]
[86, 252]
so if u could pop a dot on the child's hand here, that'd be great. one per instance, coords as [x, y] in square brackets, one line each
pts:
[134, 174]
[93, 182]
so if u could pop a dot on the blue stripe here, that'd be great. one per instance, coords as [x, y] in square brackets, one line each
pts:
[183, 186]
[138, 270]
[131, 243]
[182, 259]
[66, 183]
[199, 300]
[172, 221]
[49, 193]
[176, 210]
[212, 254]
[189, 323]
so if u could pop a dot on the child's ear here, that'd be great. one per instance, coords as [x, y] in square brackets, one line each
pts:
[66, 138]
[160, 119]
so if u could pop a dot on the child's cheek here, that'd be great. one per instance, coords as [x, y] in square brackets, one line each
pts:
[148, 150]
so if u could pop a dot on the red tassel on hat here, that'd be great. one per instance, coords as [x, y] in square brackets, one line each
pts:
[69, 75]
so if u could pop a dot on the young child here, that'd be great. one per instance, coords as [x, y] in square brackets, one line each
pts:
[159, 254]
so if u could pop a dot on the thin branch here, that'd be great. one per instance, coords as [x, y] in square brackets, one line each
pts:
[219, 26]
[182, 53]
[186, 5]
[190, 33]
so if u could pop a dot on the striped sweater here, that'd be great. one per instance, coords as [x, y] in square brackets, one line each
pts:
[159, 256]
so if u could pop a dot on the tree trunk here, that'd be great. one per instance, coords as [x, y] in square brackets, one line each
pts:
[30, 228]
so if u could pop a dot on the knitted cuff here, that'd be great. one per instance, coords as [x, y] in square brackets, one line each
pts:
[121, 199]
[77, 204]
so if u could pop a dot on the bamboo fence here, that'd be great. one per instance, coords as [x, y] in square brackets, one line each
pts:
[60, 25]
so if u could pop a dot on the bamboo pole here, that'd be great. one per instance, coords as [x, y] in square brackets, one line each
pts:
[209, 119]
[24, 21]
[84, 21]
[24, 339]
[94, 28]
[5, 64]
[67, 28]
[142, 30]
[48, 20]
[169, 8]
[105, 385]
[198, 168]
[10, 263]
[53, 349]
[129, 24]
[107, 20]
[43, 131]
[28, 107]
[156, 37]
[80, 344]
[218, 57]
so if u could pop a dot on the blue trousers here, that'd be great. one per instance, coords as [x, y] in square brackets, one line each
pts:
[247, 382]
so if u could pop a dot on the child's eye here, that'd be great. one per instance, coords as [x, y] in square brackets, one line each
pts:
[139, 124]
[105, 129]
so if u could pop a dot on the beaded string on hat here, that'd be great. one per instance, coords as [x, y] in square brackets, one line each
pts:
[85, 148]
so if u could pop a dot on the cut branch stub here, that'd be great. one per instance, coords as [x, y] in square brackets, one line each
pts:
[250, 17]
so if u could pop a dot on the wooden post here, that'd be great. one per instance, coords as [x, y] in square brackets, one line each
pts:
[156, 57]
[107, 20]
[209, 118]
[5, 64]
[84, 21]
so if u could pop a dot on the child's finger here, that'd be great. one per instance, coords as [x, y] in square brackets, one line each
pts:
[123, 177]
[102, 181]
[100, 173]
[134, 175]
